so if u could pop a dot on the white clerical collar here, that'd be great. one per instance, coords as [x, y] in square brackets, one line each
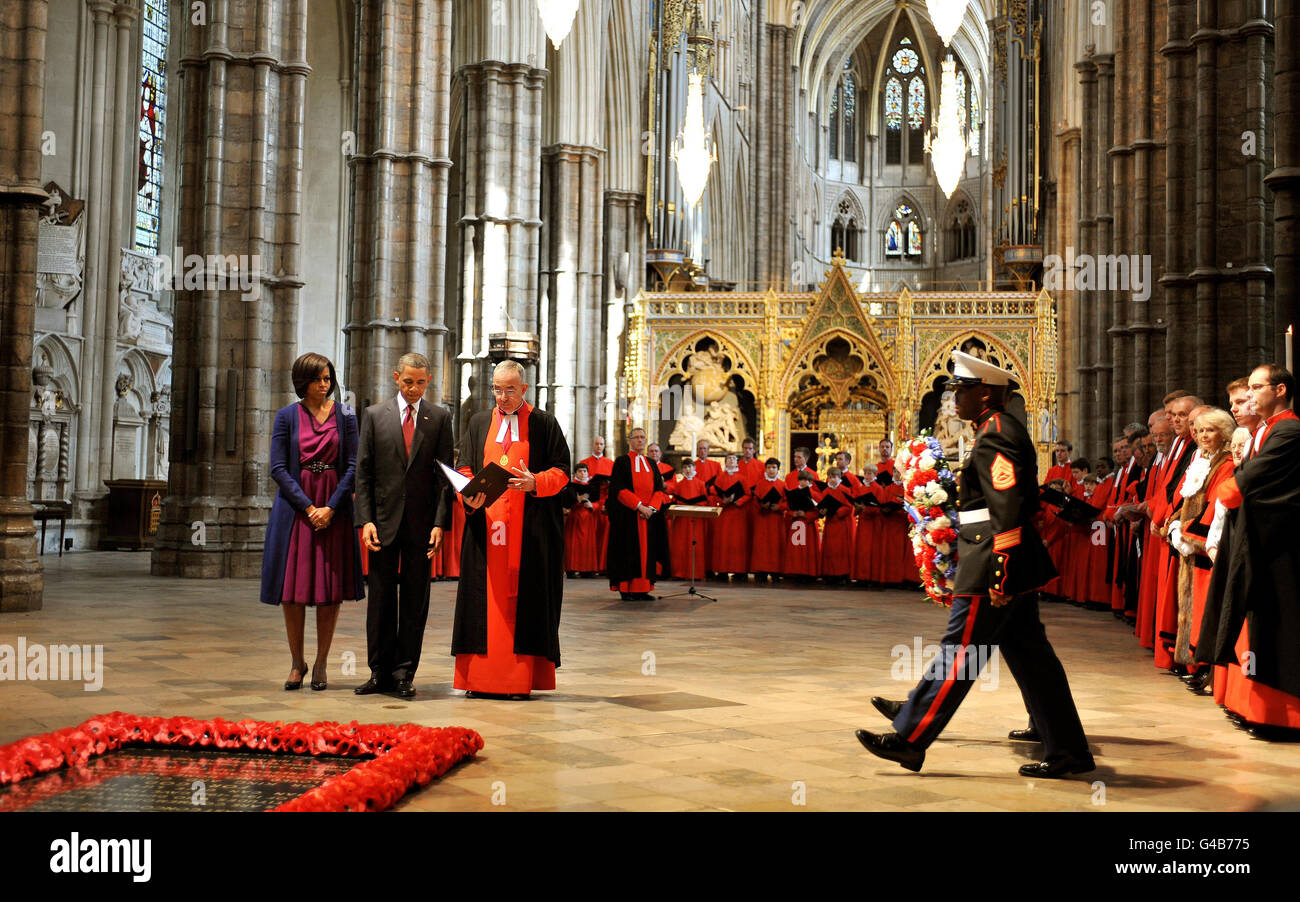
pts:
[835, 484]
[639, 463]
[733, 472]
[771, 478]
[508, 421]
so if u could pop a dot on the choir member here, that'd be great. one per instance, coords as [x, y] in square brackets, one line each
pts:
[837, 533]
[732, 530]
[707, 470]
[1162, 433]
[685, 537]
[801, 458]
[638, 547]
[1061, 469]
[751, 467]
[599, 467]
[844, 461]
[655, 453]
[584, 511]
[1179, 405]
[769, 523]
[866, 538]
[801, 553]
[897, 561]
[886, 462]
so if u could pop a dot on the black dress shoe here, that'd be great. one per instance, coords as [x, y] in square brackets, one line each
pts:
[892, 747]
[405, 689]
[1059, 767]
[886, 706]
[1028, 734]
[373, 685]
[1196, 682]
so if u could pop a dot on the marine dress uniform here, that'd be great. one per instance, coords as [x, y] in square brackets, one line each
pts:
[998, 551]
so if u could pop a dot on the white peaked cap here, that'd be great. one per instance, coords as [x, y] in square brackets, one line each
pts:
[968, 369]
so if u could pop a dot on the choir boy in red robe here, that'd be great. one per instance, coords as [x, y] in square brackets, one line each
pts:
[655, 453]
[706, 470]
[801, 554]
[598, 464]
[866, 539]
[638, 545]
[731, 531]
[751, 470]
[581, 551]
[687, 562]
[897, 560]
[769, 523]
[838, 530]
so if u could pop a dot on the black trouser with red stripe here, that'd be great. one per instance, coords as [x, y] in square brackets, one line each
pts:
[975, 628]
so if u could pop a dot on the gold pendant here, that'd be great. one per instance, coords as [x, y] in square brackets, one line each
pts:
[505, 459]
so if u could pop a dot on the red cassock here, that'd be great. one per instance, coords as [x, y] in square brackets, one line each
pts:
[1061, 471]
[1166, 601]
[1101, 541]
[601, 466]
[732, 530]
[866, 539]
[801, 551]
[1052, 529]
[753, 472]
[706, 469]
[1118, 532]
[451, 543]
[581, 548]
[642, 492]
[1152, 560]
[838, 533]
[501, 671]
[897, 561]
[667, 472]
[769, 526]
[1074, 551]
[682, 531]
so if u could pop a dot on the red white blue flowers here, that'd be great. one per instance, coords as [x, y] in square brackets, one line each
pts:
[930, 499]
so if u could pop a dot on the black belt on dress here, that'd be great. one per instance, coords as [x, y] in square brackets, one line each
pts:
[317, 466]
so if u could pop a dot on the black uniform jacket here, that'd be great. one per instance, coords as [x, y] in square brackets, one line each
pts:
[1003, 553]
[541, 562]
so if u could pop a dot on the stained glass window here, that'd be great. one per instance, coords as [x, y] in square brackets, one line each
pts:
[902, 211]
[905, 61]
[153, 124]
[850, 108]
[913, 238]
[961, 98]
[894, 103]
[894, 240]
[835, 124]
[916, 103]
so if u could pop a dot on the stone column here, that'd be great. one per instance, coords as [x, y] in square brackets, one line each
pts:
[1135, 353]
[401, 172]
[1103, 301]
[774, 161]
[625, 239]
[23, 27]
[1086, 300]
[1284, 180]
[1167, 343]
[572, 205]
[240, 196]
[499, 219]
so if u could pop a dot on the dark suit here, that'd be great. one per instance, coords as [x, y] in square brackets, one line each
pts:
[998, 550]
[405, 497]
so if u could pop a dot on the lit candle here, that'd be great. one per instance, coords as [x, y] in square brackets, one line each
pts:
[1288, 348]
[961, 448]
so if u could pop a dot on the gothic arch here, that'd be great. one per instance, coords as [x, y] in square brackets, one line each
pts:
[673, 361]
[53, 348]
[999, 353]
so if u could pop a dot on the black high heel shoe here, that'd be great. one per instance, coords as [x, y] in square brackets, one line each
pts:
[318, 685]
[290, 685]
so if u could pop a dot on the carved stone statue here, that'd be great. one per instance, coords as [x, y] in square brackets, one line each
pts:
[950, 428]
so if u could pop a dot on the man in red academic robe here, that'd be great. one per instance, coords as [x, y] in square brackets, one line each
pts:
[599, 466]
[685, 537]
[581, 551]
[706, 469]
[1133, 522]
[838, 528]
[1261, 608]
[638, 543]
[801, 554]
[732, 530]
[769, 523]
[1162, 434]
[1180, 407]
[506, 636]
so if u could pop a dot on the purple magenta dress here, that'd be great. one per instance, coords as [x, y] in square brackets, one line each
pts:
[320, 566]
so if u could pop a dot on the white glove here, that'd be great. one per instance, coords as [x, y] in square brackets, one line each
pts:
[1216, 527]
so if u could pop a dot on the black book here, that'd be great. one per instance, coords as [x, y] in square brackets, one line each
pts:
[829, 505]
[581, 491]
[867, 500]
[598, 483]
[800, 499]
[492, 481]
[1072, 510]
[772, 497]
[695, 499]
[735, 491]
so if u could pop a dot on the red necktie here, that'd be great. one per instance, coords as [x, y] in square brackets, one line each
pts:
[408, 428]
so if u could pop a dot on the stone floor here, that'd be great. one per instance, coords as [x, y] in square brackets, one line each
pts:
[748, 703]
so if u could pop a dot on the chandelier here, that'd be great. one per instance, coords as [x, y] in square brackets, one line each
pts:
[948, 148]
[693, 150]
[946, 15]
[557, 18]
